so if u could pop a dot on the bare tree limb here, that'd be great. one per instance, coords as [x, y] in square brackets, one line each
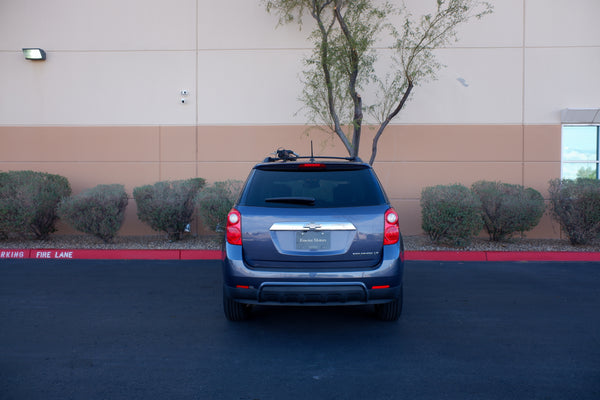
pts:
[317, 15]
[389, 118]
[353, 75]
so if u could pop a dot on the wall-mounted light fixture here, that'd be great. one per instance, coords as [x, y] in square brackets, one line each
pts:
[34, 54]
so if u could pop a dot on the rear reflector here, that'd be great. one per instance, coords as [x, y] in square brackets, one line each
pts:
[381, 287]
[242, 287]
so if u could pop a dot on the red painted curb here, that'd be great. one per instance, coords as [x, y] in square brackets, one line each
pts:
[86, 254]
[542, 256]
[501, 256]
[14, 253]
[201, 254]
[445, 255]
[94, 254]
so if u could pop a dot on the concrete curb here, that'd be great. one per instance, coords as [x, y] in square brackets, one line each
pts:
[502, 256]
[93, 254]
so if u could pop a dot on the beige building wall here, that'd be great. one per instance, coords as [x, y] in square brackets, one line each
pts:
[105, 107]
[410, 157]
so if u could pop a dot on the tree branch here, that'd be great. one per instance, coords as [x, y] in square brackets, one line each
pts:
[344, 57]
[317, 15]
[353, 76]
[386, 122]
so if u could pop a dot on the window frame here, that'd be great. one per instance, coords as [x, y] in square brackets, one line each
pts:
[564, 161]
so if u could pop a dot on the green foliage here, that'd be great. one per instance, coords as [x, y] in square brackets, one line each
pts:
[12, 216]
[215, 201]
[450, 214]
[168, 206]
[586, 172]
[98, 211]
[343, 65]
[508, 208]
[28, 202]
[575, 204]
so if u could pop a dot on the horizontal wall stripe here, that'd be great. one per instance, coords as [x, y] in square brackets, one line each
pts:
[409, 157]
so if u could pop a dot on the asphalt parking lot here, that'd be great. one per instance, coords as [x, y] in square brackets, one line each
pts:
[155, 330]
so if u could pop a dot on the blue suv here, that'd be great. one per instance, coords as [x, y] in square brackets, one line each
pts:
[312, 231]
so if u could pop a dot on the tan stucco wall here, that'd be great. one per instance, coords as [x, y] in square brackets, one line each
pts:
[410, 157]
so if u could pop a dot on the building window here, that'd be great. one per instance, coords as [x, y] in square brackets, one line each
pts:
[580, 151]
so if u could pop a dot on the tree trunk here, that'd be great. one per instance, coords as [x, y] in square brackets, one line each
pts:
[385, 123]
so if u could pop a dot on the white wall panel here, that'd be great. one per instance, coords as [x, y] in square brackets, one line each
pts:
[98, 25]
[245, 24]
[262, 87]
[493, 94]
[562, 23]
[502, 28]
[249, 87]
[124, 62]
[558, 78]
[97, 88]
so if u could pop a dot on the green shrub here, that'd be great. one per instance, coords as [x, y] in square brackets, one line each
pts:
[28, 202]
[12, 219]
[215, 201]
[98, 211]
[508, 208]
[168, 206]
[575, 204]
[450, 214]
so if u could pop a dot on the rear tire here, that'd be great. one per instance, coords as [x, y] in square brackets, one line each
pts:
[390, 311]
[235, 311]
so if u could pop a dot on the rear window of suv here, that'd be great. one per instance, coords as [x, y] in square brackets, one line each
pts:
[313, 188]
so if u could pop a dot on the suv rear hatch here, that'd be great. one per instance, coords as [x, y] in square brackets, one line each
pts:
[313, 216]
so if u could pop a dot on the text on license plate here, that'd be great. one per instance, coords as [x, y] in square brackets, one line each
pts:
[313, 240]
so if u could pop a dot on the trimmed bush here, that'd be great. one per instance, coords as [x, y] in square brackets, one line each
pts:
[451, 214]
[168, 206]
[575, 204]
[215, 201]
[508, 208]
[28, 202]
[98, 211]
[11, 218]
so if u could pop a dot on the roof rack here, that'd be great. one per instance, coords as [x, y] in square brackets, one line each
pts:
[284, 155]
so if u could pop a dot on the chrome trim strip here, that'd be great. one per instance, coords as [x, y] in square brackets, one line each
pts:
[312, 226]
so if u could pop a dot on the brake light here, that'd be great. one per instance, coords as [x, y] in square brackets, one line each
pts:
[234, 227]
[312, 166]
[391, 231]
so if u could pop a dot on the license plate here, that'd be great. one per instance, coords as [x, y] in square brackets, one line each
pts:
[313, 240]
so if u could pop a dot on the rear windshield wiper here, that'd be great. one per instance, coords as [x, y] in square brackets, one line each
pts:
[309, 201]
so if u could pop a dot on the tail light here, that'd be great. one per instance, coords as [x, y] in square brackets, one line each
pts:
[391, 231]
[234, 227]
[312, 166]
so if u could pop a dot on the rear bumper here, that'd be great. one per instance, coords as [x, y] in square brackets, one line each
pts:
[276, 287]
[311, 294]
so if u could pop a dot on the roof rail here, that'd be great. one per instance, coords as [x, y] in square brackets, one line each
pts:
[284, 155]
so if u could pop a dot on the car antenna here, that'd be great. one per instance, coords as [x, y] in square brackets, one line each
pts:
[312, 155]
